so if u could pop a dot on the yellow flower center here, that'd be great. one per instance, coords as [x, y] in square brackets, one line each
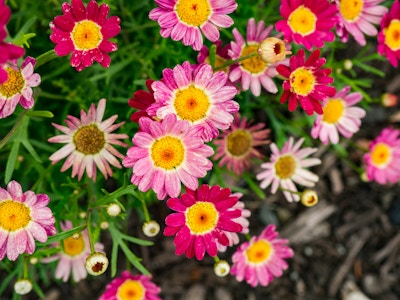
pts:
[255, 64]
[302, 81]
[351, 9]
[14, 83]
[285, 167]
[167, 152]
[89, 139]
[239, 142]
[381, 155]
[202, 217]
[259, 252]
[193, 12]
[74, 245]
[333, 111]
[302, 21]
[86, 35]
[14, 215]
[191, 104]
[131, 290]
[392, 35]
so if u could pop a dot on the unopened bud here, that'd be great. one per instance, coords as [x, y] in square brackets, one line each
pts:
[113, 209]
[151, 228]
[104, 225]
[309, 198]
[23, 286]
[348, 64]
[389, 100]
[96, 263]
[272, 50]
[221, 268]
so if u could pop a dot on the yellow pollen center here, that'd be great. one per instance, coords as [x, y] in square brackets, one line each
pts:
[333, 111]
[14, 215]
[302, 21]
[167, 152]
[351, 9]
[392, 35]
[239, 142]
[302, 81]
[193, 12]
[89, 139]
[14, 83]
[255, 64]
[202, 217]
[74, 245]
[131, 290]
[285, 167]
[191, 104]
[259, 252]
[381, 155]
[86, 35]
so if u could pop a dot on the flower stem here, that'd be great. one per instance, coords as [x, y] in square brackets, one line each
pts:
[89, 230]
[145, 210]
[12, 131]
[46, 57]
[234, 61]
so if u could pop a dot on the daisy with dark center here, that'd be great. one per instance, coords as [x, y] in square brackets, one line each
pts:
[389, 35]
[307, 23]
[186, 20]
[202, 217]
[166, 154]
[306, 82]
[89, 143]
[262, 258]
[287, 167]
[197, 95]
[85, 32]
[238, 145]
[141, 100]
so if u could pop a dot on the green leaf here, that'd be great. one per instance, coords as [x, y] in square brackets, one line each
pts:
[136, 240]
[254, 186]
[63, 235]
[6, 281]
[114, 255]
[135, 261]
[31, 150]
[12, 158]
[212, 55]
[40, 113]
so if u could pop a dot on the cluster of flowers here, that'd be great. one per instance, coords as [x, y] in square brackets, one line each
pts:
[186, 109]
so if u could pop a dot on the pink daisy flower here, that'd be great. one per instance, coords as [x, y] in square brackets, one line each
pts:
[24, 218]
[237, 145]
[286, 167]
[202, 217]
[339, 116]
[18, 87]
[197, 95]
[357, 18]
[307, 22]
[73, 255]
[165, 154]
[141, 100]
[85, 32]
[389, 35]
[131, 287]
[383, 158]
[262, 258]
[89, 143]
[252, 72]
[186, 19]
[306, 82]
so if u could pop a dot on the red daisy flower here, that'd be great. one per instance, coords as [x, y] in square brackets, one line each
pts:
[141, 100]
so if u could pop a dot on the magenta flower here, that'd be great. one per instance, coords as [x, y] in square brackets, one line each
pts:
[383, 158]
[24, 218]
[166, 154]
[85, 32]
[307, 22]
[141, 100]
[389, 35]
[262, 258]
[306, 82]
[202, 217]
[131, 287]
[186, 19]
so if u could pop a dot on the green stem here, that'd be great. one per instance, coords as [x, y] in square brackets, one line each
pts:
[145, 210]
[216, 259]
[45, 58]
[12, 131]
[248, 236]
[25, 275]
[234, 61]
[89, 230]
[290, 191]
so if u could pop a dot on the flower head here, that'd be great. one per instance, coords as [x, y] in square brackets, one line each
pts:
[24, 218]
[89, 143]
[23, 286]
[237, 145]
[141, 100]
[309, 197]
[113, 209]
[18, 87]
[389, 35]
[186, 19]
[96, 263]
[383, 158]
[306, 82]
[262, 258]
[85, 32]
[287, 166]
[339, 116]
[222, 268]
[202, 217]
[131, 287]
[197, 95]
[272, 50]
[151, 228]
[307, 23]
[165, 154]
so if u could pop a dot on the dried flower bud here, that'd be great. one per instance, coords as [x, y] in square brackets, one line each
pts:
[221, 268]
[309, 198]
[272, 50]
[389, 100]
[96, 263]
[113, 209]
[151, 228]
[23, 286]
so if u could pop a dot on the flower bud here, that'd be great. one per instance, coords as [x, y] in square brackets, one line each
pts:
[96, 263]
[272, 50]
[309, 198]
[113, 209]
[104, 225]
[221, 268]
[23, 286]
[347, 64]
[389, 100]
[151, 228]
